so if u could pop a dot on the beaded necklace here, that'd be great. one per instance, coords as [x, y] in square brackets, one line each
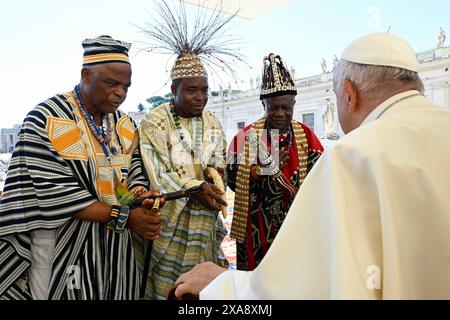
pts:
[98, 131]
[198, 133]
[284, 138]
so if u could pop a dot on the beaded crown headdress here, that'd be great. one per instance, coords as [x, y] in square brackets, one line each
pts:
[198, 46]
[276, 78]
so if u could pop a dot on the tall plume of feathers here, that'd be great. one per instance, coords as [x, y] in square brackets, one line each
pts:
[169, 32]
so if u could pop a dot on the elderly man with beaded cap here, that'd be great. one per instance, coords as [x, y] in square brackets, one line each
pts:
[265, 190]
[179, 140]
[372, 219]
[63, 235]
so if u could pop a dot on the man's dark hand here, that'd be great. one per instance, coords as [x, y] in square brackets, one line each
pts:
[149, 202]
[221, 171]
[210, 197]
[209, 177]
[145, 223]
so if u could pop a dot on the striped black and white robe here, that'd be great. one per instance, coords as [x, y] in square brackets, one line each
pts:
[57, 169]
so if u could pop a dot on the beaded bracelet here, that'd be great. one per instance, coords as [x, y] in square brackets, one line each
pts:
[122, 219]
[115, 210]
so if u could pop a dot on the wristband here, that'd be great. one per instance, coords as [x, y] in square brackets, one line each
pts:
[122, 219]
[115, 210]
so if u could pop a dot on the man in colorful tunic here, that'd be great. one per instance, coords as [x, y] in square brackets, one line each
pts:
[181, 143]
[63, 234]
[178, 141]
[264, 193]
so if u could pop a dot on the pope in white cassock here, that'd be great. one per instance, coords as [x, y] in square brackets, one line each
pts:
[372, 220]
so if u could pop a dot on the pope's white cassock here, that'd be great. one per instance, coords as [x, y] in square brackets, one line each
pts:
[371, 221]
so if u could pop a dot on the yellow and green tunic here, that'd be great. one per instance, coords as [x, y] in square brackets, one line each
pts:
[57, 169]
[175, 151]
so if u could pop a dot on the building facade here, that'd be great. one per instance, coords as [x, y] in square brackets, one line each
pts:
[9, 138]
[137, 116]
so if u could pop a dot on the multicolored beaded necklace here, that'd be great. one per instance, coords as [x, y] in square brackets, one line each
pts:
[99, 132]
[284, 142]
[198, 132]
[103, 132]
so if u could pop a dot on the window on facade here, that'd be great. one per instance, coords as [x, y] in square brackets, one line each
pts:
[308, 119]
[241, 125]
[10, 138]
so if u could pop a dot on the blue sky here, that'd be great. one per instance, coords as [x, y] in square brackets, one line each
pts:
[41, 52]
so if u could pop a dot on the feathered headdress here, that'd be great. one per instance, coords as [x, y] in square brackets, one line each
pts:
[206, 45]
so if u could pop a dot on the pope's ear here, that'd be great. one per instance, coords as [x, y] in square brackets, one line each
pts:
[351, 96]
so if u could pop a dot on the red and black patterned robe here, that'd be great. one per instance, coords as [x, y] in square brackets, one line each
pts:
[267, 204]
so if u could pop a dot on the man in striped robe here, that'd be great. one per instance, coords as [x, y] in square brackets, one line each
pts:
[263, 197]
[60, 189]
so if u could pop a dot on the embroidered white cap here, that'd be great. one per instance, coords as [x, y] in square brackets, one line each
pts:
[382, 49]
